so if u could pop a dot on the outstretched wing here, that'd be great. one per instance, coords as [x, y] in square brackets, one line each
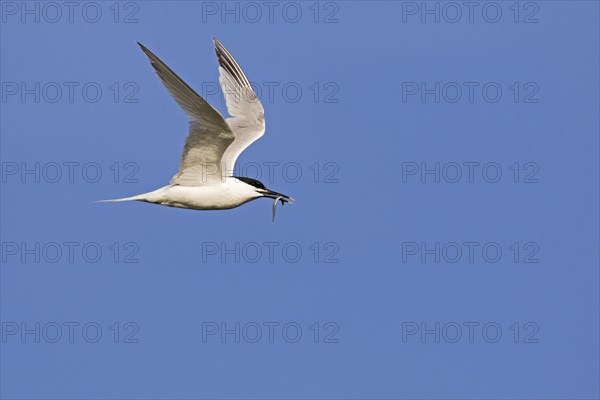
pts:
[247, 114]
[208, 137]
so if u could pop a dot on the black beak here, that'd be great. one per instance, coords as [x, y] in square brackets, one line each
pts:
[274, 195]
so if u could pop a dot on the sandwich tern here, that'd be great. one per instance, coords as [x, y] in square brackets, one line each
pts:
[205, 179]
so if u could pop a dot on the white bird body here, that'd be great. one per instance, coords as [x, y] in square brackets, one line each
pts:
[213, 144]
[212, 196]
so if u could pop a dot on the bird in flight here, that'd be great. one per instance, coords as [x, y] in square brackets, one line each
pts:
[205, 179]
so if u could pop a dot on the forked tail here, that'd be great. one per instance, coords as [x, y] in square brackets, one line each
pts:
[150, 197]
[139, 197]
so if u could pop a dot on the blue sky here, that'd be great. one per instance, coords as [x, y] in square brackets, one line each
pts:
[444, 242]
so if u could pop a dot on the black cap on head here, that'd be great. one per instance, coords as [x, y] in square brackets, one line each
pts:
[253, 182]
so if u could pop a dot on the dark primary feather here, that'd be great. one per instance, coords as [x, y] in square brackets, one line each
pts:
[228, 63]
[192, 103]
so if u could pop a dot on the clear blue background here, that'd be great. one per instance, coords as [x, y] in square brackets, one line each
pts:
[369, 133]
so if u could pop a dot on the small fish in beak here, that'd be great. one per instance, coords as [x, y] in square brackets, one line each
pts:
[275, 206]
[278, 197]
[284, 199]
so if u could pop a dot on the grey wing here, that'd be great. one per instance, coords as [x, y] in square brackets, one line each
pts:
[208, 136]
[248, 115]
